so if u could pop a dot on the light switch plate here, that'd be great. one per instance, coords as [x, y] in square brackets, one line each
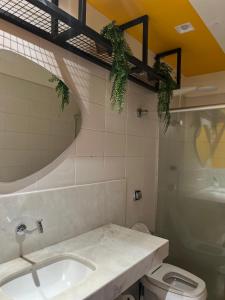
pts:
[137, 195]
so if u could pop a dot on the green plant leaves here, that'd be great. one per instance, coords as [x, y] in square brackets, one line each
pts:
[62, 91]
[120, 66]
[165, 92]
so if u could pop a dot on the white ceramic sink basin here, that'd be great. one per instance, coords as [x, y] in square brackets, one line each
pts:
[55, 277]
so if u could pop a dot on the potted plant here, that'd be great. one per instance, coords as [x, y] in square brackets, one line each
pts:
[165, 92]
[120, 65]
[62, 91]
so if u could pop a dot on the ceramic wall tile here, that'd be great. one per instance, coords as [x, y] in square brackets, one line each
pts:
[89, 169]
[90, 143]
[115, 122]
[62, 175]
[134, 146]
[93, 116]
[114, 168]
[91, 88]
[135, 181]
[115, 202]
[114, 144]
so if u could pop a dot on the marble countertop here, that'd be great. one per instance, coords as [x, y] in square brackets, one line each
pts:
[121, 256]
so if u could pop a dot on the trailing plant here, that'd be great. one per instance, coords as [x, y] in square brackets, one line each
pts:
[62, 91]
[165, 92]
[120, 66]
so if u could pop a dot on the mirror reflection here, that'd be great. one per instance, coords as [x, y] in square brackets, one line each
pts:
[210, 137]
[34, 130]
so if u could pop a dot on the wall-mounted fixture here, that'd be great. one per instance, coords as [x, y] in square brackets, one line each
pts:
[141, 112]
[137, 195]
[184, 28]
[178, 53]
[21, 229]
[47, 20]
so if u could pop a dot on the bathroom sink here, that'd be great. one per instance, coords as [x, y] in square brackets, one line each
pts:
[54, 277]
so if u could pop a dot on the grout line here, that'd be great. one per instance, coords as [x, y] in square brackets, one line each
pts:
[125, 165]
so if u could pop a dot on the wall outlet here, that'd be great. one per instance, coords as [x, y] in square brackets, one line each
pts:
[137, 195]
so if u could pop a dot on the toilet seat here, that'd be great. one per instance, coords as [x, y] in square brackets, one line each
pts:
[141, 227]
[175, 280]
[171, 282]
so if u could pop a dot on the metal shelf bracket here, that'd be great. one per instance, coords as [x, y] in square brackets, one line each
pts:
[144, 20]
[178, 52]
[46, 20]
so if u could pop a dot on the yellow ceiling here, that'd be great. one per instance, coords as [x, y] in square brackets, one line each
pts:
[201, 52]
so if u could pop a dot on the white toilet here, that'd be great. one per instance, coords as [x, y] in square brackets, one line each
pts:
[167, 282]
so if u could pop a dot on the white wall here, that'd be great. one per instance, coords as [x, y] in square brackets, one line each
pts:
[110, 148]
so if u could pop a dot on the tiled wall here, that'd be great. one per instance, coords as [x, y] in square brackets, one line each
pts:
[110, 148]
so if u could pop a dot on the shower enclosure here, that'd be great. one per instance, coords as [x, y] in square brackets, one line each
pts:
[191, 204]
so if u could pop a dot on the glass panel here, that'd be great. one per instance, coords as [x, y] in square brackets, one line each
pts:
[191, 205]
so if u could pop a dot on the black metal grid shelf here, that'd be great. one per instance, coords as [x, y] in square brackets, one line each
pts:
[47, 20]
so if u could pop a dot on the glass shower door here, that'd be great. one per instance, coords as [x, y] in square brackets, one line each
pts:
[191, 195]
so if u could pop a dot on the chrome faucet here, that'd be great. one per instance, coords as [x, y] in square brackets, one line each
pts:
[21, 229]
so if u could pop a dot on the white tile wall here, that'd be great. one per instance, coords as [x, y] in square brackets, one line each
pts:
[89, 169]
[114, 152]
[114, 144]
[93, 116]
[114, 167]
[90, 143]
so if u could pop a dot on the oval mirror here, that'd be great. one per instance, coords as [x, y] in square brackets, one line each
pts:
[34, 130]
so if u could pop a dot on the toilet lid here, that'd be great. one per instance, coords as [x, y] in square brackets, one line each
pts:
[175, 280]
[141, 227]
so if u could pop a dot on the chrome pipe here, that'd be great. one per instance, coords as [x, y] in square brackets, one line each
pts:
[197, 108]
